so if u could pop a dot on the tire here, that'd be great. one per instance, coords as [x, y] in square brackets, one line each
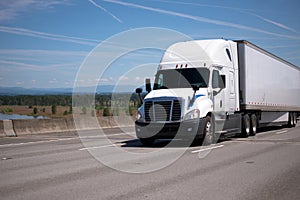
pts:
[208, 134]
[147, 141]
[246, 126]
[295, 119]
[291, 122]
[253, 128]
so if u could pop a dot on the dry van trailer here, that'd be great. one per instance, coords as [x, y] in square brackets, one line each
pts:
[269, 88]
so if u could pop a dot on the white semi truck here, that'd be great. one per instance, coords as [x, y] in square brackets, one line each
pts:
[207, 88]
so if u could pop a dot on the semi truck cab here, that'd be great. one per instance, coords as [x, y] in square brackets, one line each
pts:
[192, 82]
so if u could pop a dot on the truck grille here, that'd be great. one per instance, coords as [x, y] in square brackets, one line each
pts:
[162, 110]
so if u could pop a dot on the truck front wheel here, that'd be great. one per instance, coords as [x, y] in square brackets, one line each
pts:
[209, 136]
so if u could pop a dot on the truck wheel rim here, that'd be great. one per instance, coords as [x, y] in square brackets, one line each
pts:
[208, 134]
[254, 124]
[247, 125]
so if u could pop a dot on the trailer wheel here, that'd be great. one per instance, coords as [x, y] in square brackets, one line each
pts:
[291, 122]
[253, 129]
[246, 125]
[208, 134]
[294, 119]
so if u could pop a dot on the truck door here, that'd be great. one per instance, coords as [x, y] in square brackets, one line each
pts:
[218, 92]
[219, 98]
[229, 121]
[231, 93]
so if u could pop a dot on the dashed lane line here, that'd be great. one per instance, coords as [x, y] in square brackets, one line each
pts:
[280, 132]
[61, 139]
[99, 147]
[36, 142]
[207, 149]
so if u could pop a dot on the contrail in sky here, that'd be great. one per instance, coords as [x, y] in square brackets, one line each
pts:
[247, 11]
[27, 32]
[274, 23]
[199, 19]
[98, 6]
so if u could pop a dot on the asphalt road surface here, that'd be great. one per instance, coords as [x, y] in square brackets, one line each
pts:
[59, 166]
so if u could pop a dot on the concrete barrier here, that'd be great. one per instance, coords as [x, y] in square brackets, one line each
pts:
[2, 134]
[35, 126]
[8, 128]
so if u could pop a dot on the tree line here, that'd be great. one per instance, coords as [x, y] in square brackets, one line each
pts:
[111, 104]
[36, 100]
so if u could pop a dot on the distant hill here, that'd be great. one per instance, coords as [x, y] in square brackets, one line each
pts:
[12, 91]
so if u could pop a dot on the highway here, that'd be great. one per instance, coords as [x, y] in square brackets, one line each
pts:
[59, 166]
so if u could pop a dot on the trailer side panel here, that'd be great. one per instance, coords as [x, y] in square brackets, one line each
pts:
[267, 83]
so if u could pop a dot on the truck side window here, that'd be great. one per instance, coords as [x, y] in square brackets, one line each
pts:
[215, 79]
[218, 81]
[228, 54]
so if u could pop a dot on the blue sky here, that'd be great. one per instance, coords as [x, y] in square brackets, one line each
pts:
[44, 42]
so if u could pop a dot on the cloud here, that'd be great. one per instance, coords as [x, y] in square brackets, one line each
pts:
[38, 34]
[19, 83]
[41, 59]
[53, 81]
[199, 19]
[9, 10]
[30, 52]
[105, 79]
[24, 66]
[102, 8]
[123, 78]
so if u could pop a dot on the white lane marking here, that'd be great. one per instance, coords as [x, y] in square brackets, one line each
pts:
[37, 142]
[99, 147]
[105, 136]
[208, 148]
[62, 139]
[279, 132]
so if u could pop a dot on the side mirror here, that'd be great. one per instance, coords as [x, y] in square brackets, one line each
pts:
[148, 85]
[138, 90]
[195, 87]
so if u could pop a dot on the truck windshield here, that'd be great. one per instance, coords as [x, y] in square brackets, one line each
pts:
[181, 78]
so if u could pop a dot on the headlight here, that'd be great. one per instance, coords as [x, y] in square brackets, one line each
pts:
[138, 116]
[194, 114]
